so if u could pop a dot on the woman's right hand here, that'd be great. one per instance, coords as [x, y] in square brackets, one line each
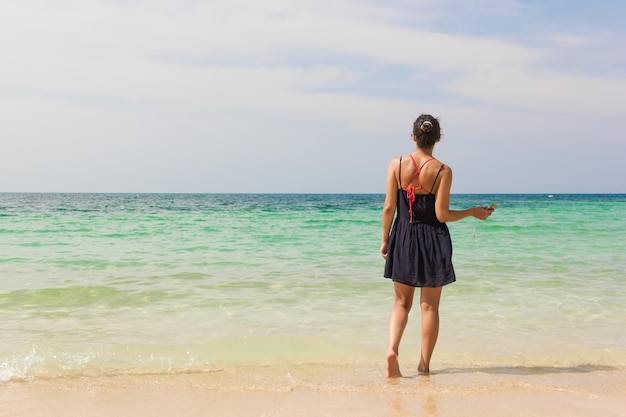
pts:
[383, 250]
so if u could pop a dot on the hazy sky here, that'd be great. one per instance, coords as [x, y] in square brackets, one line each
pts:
[309, 95]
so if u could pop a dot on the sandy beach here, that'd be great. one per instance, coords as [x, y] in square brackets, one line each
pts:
[327, 391]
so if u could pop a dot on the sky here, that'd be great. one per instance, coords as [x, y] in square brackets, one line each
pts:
[309, 96]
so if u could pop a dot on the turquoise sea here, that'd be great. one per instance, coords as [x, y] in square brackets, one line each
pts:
[110, 284]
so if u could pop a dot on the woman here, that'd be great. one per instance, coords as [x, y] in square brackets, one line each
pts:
[418, 250]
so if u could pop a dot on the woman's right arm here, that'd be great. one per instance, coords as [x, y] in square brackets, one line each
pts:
[442, 202]
[389, 208]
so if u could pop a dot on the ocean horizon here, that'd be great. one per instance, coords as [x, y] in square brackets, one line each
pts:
[134, 283]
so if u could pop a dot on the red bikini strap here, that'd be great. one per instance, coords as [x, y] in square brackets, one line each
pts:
[410, 189]
[425, 162]
[417, 173]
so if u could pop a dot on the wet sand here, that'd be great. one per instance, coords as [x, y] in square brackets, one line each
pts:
[300, 391]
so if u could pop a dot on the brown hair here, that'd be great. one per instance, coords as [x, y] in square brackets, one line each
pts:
[426, 130]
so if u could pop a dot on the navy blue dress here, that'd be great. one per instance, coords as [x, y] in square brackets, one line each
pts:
[419, 252]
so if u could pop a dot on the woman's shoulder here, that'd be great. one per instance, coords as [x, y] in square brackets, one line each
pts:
[436, 171]
[403, 160]
[443, 172]
[440, 165]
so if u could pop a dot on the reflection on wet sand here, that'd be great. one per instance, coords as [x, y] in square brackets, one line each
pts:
[402, 405]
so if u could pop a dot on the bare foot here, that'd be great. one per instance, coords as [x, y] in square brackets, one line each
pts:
[393, 368]
[423, 369]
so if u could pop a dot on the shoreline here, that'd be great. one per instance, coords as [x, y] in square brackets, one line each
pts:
[300, 390]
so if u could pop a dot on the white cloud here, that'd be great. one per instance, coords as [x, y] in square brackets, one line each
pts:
[545, 90]
[568, 40]
[147, 75]
[115, 52]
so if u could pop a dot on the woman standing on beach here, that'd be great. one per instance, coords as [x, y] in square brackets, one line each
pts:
[418, 250]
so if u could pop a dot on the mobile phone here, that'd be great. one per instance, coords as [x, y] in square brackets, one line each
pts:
[492, 207]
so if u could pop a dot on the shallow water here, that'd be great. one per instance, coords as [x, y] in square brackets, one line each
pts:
[118, 283]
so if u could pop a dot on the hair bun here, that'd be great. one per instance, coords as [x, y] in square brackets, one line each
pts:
[426, 126]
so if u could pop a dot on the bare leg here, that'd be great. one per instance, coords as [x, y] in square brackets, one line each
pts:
[398, 318]
[429, 303]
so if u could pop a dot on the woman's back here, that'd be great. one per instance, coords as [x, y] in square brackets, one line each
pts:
[421, 172]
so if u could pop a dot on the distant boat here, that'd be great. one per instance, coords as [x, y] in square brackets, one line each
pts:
[550, 196]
